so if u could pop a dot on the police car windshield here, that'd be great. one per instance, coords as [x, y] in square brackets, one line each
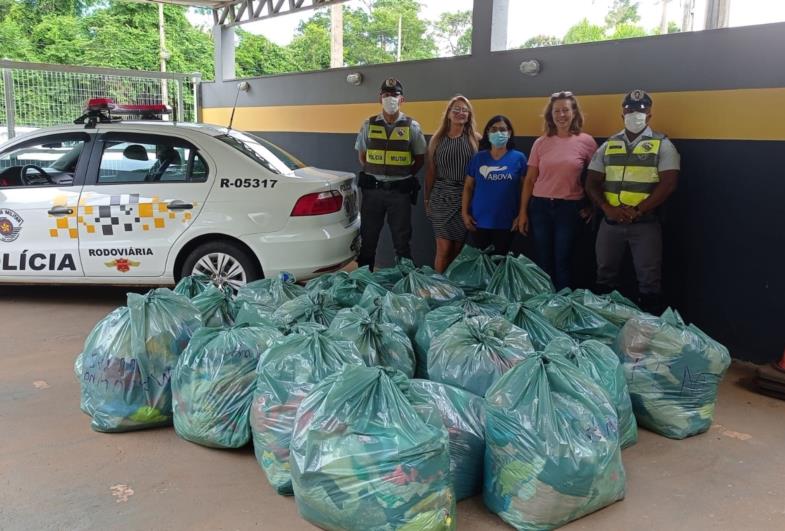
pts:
[265, 153]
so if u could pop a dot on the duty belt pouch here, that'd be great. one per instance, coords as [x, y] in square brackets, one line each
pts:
[365, 181]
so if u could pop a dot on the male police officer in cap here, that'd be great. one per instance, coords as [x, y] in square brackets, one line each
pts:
[392, 150]
[629, 176]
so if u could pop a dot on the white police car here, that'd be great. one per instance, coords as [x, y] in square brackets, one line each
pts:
[150, 201]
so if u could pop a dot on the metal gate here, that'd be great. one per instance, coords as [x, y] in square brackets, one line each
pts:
[42, 95]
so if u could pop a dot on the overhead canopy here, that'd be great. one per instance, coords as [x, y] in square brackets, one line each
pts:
[234, 12]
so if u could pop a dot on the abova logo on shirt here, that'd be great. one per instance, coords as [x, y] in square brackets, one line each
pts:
[486, 170]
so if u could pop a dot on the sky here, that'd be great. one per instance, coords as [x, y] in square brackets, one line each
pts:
[528, 18]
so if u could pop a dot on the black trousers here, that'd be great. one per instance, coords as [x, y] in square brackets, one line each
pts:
[501, 239]
[378, 204]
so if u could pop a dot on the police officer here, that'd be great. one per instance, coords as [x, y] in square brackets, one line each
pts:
[629, 176]
[392, 149]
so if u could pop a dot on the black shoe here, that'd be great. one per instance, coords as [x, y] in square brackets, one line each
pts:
[651, 303]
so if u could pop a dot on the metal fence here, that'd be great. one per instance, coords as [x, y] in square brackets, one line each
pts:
[41, 95]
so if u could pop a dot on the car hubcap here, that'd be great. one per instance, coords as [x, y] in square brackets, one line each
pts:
[223, 270]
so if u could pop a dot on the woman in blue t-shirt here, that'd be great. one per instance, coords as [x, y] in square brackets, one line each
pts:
[492, 189]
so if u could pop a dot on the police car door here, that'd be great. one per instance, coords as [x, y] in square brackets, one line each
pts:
[40, 182]
[143, 191]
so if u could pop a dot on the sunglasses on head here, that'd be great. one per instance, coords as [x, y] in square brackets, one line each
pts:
[562, 94]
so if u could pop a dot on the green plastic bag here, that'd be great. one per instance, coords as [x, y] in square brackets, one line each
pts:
[406, 311]
[673, 371]
[347, 288]
[287, 372]
[321, 283]
[436, 322]
[382, 344]
[517, 278]
[574, 318]
[483, 303]
[463, 414]
[254, 313]
[602, 365]
[430, 286]
[363, 459]
[389, 276]
[271, 292]
[614, 307]
[472, 269]
[311, 307]
[475, 352]
[125, 368]
[213, 383]
[193, 285]
[216, 306]
[552, 449]
[540, 330]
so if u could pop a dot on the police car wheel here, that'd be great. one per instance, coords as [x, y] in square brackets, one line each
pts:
[225, 263]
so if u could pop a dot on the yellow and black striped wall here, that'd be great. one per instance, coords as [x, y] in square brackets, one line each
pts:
[719, 95]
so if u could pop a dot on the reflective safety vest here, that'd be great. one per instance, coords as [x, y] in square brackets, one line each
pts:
[390, 156]
[630, 177]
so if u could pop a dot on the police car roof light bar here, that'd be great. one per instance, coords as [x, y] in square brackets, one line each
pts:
[99, 110]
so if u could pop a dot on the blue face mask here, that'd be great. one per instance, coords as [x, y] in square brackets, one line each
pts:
[498, 139]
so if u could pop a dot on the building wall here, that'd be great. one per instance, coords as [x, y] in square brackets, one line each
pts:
[719, 95]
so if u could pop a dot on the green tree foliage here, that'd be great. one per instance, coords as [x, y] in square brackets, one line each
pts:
[621, 12]
[455, 29]
[627, 30]
[584, 31]
[257, 56]
[541, 41]
[100, 33]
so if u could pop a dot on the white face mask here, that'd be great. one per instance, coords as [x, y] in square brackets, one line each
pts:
[390, 104]
[635, 122]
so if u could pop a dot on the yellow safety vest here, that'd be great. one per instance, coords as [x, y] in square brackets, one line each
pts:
[631, 176]
[389, 155]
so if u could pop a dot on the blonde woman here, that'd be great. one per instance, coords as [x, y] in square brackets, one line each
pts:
[449, 151]
[552, 201]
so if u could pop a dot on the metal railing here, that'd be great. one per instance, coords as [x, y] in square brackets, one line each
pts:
[42, 95]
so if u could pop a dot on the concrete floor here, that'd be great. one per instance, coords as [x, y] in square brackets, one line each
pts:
[55, 473]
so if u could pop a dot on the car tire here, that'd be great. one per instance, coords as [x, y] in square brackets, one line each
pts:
[224, 262]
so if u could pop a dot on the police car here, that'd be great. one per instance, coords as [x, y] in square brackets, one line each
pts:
[149, 201]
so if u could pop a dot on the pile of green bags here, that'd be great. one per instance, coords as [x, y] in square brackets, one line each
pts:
[517, 278]
[540, 330]
[381, 344]
[573, 318]
[406, 311]
[193, 285]
[552, 445]
[600, 363]
[463, 414]
[363, 458]
[286, 373]
[271, 292]
[126, 366]
[673, 371]
[216, 306]
[436, 322]
[475, 352]
[347, 288]
[312, 307]
[428, 285]
[213, 383]
[614, 307]
[472, 269]
[483, 303]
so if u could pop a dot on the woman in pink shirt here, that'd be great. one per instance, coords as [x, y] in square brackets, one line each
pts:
[552, 196]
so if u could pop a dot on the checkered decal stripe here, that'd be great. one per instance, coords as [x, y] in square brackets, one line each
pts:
[116, 214]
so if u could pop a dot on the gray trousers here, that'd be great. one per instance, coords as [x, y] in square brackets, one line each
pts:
[377, 204]
[645, 241]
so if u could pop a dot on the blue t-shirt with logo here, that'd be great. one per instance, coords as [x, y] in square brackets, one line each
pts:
[497, 188]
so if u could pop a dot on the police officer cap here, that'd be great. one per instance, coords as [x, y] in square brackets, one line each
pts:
[637, 99]
[392, 85]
